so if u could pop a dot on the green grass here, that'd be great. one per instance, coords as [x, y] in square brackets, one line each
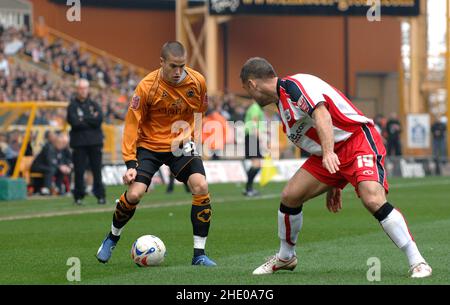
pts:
[38, 236]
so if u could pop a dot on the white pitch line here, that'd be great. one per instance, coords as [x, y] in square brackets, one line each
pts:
[186, 202]
[144, 206]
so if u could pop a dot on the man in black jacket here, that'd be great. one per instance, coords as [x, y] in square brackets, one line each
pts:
[64, 164]
[439, 135]
[46, 164]
[86, 140]
[394, 129]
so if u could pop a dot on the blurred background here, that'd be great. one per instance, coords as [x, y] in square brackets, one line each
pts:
[389, 57]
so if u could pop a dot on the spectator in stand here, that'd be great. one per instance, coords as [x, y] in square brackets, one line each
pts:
[46, 164]
[13, 150]
[23, 85]
[17, 84]
[84, 73]
[229, 106]
[12, 46]
[394, 129]
[4, 147]
[213, 137]
[380, 126]
[67, 66]
[4, 65]
[41, 117]
[439, 135]
[64, 164]
[111, 111]
[3, 96]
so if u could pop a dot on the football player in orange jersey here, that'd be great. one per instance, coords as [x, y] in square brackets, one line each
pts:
[159, 129]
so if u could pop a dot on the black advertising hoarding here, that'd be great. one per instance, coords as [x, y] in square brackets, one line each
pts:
[313, 7]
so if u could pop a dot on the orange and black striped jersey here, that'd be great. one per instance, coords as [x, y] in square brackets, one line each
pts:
[155, 107]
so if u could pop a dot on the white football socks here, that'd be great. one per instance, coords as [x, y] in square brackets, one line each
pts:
[395, 227]
[289, 227]
[199, 242]
[115, 231]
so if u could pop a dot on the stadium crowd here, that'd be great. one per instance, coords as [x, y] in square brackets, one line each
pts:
[54, 69]
[69, 59]
[20, 84]
[55, 65]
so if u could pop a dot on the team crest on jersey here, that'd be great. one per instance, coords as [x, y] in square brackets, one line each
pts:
[303, 104]
[134, 104]
[190, 93]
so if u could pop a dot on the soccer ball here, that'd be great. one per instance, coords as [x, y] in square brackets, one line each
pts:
[148, 250]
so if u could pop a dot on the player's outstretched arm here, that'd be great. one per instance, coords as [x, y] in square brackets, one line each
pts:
[324, 127]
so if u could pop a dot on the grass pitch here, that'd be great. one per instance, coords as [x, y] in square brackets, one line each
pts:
[37, 237]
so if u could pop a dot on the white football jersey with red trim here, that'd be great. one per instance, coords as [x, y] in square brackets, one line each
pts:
[299, 95]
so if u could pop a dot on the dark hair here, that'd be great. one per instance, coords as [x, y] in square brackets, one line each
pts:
[47, 134]
[174, 48]
[257, 67]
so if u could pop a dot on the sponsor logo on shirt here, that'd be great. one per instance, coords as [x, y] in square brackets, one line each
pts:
[295, 137]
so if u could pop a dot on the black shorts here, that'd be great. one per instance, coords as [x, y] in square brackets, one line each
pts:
[252, 147]
[181, 167]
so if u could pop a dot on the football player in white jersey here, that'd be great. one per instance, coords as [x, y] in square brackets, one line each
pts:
[345, 148]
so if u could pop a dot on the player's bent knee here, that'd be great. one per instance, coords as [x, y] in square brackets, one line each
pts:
[372, 204]
[134, 195]
[372, 195]
[371, 188]
[199, 187]
[290, 200]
